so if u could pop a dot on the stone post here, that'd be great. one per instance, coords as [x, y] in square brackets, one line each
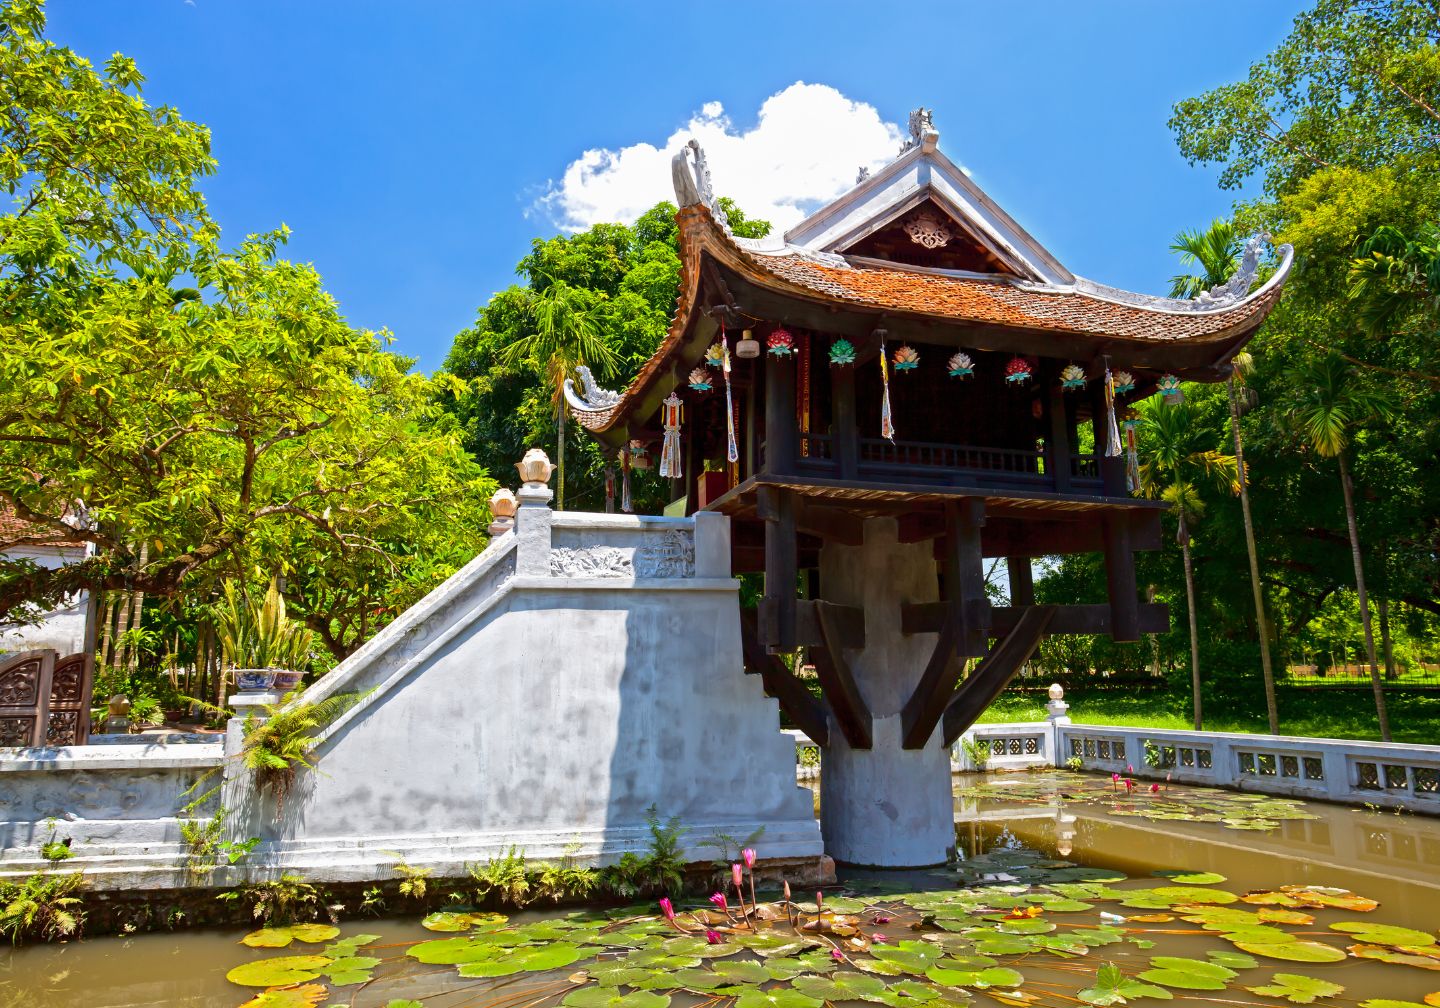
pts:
[1057, 713]
[712, 544]
[886, 805]
[532, 519]
[502, 512]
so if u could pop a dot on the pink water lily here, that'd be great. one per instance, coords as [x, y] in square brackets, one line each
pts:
[837, 955]
[667, 908]
[882, 920]
[737, 874]
[878, 938]
[1154, 788]
[713, 937]
[718, 899]
[748, 855]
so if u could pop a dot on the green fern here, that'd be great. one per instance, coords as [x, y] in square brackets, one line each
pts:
[42, 906]
[505, 878]
[554, 881]
[279, 901]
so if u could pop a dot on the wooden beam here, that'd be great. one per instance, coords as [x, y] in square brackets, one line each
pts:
[847, 703]
[992, 675]
[776, 506]
[798, 703]
[917, 526]
[1120, 581]
[929, 617]
[845, 429]
[1022, 580]
[932, 693]
[831, 524]
[965, 574]
[850, 626]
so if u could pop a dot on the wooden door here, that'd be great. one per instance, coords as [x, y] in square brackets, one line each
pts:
[45, 700]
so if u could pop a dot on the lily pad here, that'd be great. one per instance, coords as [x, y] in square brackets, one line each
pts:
[1112, 987]
[608, 997]
[304, 996]
[1294, 951]
[1206, 878]
[1383, 934]
[840, 986]
[1297, 989]
[451, 920]
[776, 997]
[351, 970]
[1187, 974]
[993, 976]
[1424, 957]
[278, 971]
[525, 960]
[282, 936]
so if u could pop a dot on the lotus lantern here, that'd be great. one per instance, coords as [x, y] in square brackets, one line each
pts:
[535, 467]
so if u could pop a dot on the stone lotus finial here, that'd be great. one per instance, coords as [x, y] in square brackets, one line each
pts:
[535, 467]
[503, 506]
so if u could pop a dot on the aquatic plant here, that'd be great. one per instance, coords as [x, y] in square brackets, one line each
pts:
[278, 901]
[414, 882]
[554, 881]
[41, 906]
[977, 751]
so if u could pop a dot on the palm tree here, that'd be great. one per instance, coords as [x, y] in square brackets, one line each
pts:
[567, 335]
[1216, 250]
[1394, 276]
[1178, 462]
[1330, 402]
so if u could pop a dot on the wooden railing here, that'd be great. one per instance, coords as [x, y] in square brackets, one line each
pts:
[880, 453]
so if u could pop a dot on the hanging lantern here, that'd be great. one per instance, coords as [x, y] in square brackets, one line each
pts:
[639, 457]
[1072, 376]
[714, 354]
[1169, 388]
[842, 352]
[907, 358]
[747, 346]
[700, 380]
[1018, 371]
[781, 343]
[1132, 454]
[670, 412]
[1124, 382]
[961, 366]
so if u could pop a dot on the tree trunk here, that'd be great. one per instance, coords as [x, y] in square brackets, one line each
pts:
[1272, 711]
[1383, 604]
[1381, 715]
[137, 612]
[560, 461]
[1194, 632]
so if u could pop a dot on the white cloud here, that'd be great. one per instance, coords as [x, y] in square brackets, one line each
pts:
[803, 151]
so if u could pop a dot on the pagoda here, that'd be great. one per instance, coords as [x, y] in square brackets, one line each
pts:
[900, 387]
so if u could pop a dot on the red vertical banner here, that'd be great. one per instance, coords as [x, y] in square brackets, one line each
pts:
[802, 397]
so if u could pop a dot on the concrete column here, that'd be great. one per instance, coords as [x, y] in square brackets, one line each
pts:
[532, 529]
[886, 805]
[712, 544]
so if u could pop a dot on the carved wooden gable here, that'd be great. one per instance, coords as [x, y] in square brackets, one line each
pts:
[930, 236]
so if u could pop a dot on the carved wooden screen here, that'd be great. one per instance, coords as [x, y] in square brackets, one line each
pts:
[45, 701]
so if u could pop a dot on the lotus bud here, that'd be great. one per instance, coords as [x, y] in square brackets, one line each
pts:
[878, 938]
[837, 955]
[820, 901]
[736, 874]
[787, 892]
[882, 920]
[718, 899]
[748, 854]
[667, 908]
[713, 937]
[1154, 788]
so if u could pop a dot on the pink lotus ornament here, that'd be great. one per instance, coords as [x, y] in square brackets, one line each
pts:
[748, 854]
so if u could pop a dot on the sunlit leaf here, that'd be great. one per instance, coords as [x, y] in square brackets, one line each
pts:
[278, 971]
[1383, 934]
[1293, 951]
[305, 996]
[1298, 989]
[1187, 974]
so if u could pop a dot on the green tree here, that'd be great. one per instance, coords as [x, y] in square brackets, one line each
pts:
[566, 336]
[1178, 462]
[1329, 403]
[1216, 251]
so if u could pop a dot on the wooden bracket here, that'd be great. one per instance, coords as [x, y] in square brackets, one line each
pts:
[838, 682]
[994, 673]
[923, 710]
[798, 703]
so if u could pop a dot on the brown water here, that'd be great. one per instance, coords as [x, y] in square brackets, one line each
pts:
[1392, 859]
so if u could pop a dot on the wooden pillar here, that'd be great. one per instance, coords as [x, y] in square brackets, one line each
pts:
[1022, 581]
[779, 415]
[965, 575]
[1120, 579]
[692, 463]
[1059, 438]
[845, 430]
[776, 507]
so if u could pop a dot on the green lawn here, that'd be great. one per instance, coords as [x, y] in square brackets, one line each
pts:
[1350, 714]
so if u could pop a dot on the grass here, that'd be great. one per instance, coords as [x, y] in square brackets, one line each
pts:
[1313, 713]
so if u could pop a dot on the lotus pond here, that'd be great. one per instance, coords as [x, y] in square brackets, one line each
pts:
[1069, 890]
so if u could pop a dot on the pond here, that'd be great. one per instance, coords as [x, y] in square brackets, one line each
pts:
[1068, 890]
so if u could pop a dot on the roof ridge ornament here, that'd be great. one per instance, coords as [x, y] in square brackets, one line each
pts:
[692, 182]
[923, 133]
[1238, 286]
[595, 399]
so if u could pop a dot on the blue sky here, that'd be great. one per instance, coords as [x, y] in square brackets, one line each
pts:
[416, 149]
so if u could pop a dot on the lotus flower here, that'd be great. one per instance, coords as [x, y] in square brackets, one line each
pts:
[1154, 788]
[667, 908]
[737, 875]
[718, 899]
[713, 937]
[748, 854]
[1129, 784]
[837, 955]
[882, 920]
[878, 938]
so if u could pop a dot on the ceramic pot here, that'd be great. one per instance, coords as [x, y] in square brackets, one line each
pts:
[249, 679]
[287, 679]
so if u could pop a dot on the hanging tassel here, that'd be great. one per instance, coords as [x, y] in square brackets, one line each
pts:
[1112, 432]
[670, 442]
[625, 505]
[887, 426]
[1132, 459]
[732, 447]
[609, 489]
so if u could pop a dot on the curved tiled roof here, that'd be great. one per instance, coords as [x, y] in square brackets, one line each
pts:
[1083, 309]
